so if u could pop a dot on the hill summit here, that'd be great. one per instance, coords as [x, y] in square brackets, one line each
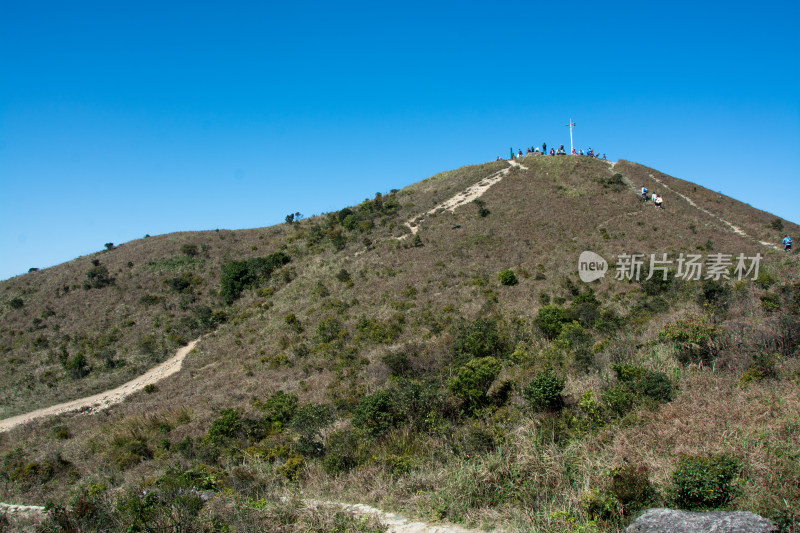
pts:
[436, 348]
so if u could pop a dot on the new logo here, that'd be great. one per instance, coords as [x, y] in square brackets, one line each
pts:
[591, 266]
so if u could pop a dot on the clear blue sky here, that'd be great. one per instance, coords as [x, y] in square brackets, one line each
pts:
[119, 119]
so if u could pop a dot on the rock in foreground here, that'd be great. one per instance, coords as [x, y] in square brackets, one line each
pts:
[672, 521]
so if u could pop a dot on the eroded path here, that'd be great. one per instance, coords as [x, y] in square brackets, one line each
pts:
[733, 227]
[108, 398]
[395, 523]
[470, 194]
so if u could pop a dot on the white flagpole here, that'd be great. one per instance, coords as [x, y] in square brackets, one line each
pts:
[571, 124]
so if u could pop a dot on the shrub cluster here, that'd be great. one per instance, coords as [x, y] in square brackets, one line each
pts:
[249, 273]
[544, 391]
[705, 482]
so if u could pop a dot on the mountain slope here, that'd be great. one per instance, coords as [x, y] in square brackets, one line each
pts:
[360, 309]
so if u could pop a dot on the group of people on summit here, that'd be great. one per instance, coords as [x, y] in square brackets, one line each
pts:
[534, 150]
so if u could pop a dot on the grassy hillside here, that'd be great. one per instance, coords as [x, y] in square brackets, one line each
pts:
[348, 359]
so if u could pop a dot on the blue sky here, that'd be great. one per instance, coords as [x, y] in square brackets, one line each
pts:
[120, 119]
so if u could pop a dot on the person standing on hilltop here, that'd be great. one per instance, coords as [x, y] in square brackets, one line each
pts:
[787, 244]
[544, 148]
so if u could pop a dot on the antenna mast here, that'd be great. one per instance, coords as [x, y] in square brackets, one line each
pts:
[571, 124]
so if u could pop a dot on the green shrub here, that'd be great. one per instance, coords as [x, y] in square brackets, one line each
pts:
[308, 422]
[551, 318]
[694, 339]
[631, 486]
[619, 399]
[572, 336]
[655, 386]
[97, 277]
[292, 468]
[372, 330]
[398, 363]
[240, 275]
[341, 452]
[330, 329]
[189, 250]
[764, 279]
[279, 408]
[77, 366]
[479, 338]
[657, 284]
[708, 482]
[16, 303]
[376, 413]
[544, 391]
[507, 277]
[770, 302]
[293, 322]
[473, 381]
[714, 293]
[226, 426]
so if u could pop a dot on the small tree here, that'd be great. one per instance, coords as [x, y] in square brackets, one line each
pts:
[109, 246]
[507, 277]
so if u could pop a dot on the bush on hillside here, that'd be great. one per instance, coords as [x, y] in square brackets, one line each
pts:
[480, 338]
[551, 318]
[507, 277]
[16, 303]
[189, 250]
[249, 273]
[705, 482]
[473, 381]
[632, 488]
[376, 413]
[226, 426]
[278, 409]
[342, 451]
[694, 339]
[97, 277]
[544, 391]
[308, 422]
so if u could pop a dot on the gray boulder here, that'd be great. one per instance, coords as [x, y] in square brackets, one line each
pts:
[672, 521]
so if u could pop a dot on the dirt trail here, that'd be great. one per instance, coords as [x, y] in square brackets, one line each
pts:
[396, 523]
[734, 228]
[108, 398]
[471, 193]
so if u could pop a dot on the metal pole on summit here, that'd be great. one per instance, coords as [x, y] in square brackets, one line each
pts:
[571, 124]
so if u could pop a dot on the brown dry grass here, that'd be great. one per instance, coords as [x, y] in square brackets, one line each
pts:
[541, 220]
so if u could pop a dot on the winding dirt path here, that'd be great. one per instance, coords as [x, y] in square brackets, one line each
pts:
[108, 398]
[733, 227]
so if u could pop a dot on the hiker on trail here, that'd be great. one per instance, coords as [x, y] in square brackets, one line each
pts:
[544, 148]
[644, 194]
[573, 151]
[581, 151]
[604, 157]
[552, 151]
[520, 152]
[658, 201]
[787, 244]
